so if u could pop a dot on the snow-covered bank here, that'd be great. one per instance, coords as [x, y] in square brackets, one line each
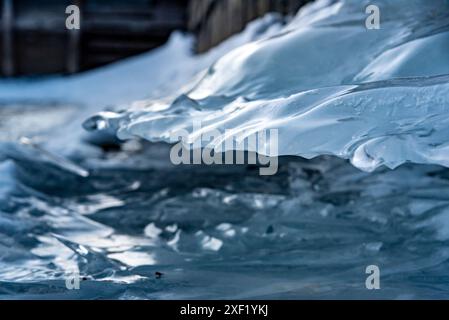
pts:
[329, 85]
[160, 73]
[157, 73]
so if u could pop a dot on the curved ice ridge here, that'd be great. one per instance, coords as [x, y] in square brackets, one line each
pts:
[328, 84]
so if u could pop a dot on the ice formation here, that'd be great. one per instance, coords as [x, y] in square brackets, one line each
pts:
[118, 218]
[329, 85]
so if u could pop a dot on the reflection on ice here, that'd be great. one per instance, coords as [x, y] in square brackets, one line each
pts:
[325, 224]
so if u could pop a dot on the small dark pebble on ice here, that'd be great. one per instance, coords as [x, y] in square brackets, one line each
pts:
[270, 229]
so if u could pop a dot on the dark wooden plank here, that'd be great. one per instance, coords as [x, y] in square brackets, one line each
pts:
[74, 45]
[7, 38]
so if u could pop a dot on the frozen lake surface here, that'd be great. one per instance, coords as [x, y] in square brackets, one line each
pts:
[362, 180]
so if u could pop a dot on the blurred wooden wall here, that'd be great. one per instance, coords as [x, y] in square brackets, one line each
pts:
[34, 39]
[215, 20]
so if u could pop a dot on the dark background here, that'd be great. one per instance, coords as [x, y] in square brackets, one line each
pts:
[34, 39]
